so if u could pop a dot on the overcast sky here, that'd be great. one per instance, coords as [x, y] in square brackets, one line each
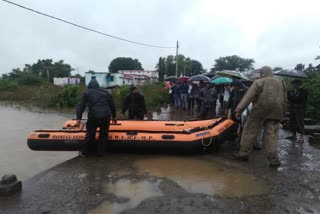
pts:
[273, 32]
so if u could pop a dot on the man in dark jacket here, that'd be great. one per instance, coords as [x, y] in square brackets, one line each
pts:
[298, 102]
[135, 104]
[101, 109]
[235, 97]
[208, 96]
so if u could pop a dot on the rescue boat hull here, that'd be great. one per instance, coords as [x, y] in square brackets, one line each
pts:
[186, 135]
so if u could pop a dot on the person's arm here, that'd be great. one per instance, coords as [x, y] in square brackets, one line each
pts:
[81, 107]
[144, 105]
[112, 108]
[252, 92]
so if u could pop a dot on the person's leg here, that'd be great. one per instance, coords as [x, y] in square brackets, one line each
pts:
[300, 124]
[90, 137]
[213, 113]
[270, 140]
[258, 144]
[103, 135]
[249, 135]
[186, 101]
[182, 101]
[293, 125]
[139, 115]
[203, 113]
[177, 100]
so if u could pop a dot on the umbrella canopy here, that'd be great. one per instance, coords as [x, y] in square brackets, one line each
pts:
[184, 78]
[221, 80]
[230, 73]
[253, 75]
[291, 73]
[199, 78]
[171, 78]
[210, 74]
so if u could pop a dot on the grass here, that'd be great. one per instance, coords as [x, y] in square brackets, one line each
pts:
[65, 98]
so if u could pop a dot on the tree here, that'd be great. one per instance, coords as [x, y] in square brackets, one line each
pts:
[161, 67]
[299, 67]
[233, 62]
[318, 57]
[196, 68]
[277, 68]
[186, 66]
[124, 63]
[60, 69]
[171, 66]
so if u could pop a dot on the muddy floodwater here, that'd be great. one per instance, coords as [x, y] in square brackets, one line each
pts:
[15, 156]
[144, 183]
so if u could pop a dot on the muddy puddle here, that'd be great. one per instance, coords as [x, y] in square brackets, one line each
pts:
[200, 176]
[132, 193]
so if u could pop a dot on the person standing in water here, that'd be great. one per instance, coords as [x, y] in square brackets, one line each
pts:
[101, 109]
[135, 104]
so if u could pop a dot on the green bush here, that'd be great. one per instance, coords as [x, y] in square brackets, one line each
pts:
[29, 79]
[8, 84]
[68, 97]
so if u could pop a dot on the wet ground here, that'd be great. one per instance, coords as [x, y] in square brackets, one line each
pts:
[157, 183]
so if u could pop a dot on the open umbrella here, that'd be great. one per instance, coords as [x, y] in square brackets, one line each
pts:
[170, 78]
[199, 78]
[221, 80]
[291, 73]
[231, 73]
[210, 74]
[184, 78]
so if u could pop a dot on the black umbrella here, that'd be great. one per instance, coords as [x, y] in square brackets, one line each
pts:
[170, 78]
[291, 73]
[210, 74]
[199, 78]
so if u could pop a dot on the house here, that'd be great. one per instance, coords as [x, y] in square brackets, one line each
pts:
[139, 77]
[105, 79]
[62, 81]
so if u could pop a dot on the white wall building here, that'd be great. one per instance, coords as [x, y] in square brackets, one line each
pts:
[62, 81]
[105, 79]
[139, 77]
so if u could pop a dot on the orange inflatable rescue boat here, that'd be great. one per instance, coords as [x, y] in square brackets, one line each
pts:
[139, 134]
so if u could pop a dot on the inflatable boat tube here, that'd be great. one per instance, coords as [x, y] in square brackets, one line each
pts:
[147, 134]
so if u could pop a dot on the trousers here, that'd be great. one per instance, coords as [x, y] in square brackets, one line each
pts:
[251, 131]
[93, 146]
[297, 120]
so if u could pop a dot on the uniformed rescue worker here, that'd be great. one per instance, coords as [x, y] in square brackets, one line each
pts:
[101, 109]
[268, 95]
[135, 104]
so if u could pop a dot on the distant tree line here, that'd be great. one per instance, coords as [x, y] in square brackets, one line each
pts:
[42, 70]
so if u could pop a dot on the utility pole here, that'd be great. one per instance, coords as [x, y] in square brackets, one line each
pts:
[177, 51]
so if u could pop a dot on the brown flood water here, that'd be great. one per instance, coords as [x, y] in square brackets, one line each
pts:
[190, 173]
[15, 156]
[201, 176]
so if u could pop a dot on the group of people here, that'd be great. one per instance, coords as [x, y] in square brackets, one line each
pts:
[265, 100]
[203, 96]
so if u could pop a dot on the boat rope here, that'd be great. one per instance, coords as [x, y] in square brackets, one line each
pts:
[210, 141]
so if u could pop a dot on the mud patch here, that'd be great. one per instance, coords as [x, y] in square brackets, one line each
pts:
[200, 176]
[134, 192]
